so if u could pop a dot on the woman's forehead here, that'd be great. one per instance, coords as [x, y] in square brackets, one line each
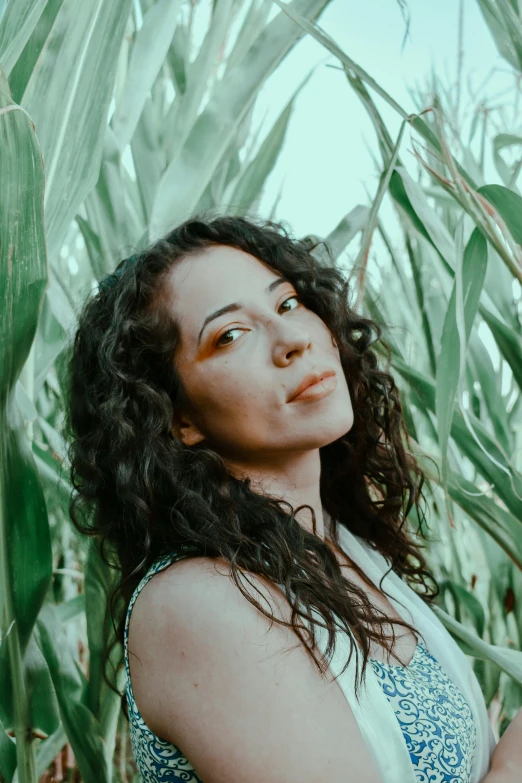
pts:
[208, 279]
[214, 278]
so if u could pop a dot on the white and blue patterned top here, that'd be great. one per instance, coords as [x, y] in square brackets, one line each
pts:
[435, 719]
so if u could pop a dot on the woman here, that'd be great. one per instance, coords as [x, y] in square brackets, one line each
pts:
[244, 455]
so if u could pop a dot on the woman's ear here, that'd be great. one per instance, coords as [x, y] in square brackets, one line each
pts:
[186, 432]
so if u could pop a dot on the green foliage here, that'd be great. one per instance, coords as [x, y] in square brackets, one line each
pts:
[25, 545]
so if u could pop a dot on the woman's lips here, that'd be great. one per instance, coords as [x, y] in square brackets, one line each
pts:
[318, 390]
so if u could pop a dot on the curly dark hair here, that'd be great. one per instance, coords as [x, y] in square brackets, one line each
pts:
[146, 494]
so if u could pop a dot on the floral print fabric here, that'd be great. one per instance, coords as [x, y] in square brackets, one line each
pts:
[435, 719]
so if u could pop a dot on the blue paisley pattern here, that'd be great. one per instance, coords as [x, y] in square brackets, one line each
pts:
[435, 719]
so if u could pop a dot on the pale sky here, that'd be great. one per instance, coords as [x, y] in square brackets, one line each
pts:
[326, 161]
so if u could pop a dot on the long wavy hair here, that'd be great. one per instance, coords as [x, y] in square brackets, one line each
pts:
[139, 489]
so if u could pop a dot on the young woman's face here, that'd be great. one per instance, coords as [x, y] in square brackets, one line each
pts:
[241, 367]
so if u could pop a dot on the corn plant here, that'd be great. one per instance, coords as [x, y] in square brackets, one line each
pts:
[25, 544]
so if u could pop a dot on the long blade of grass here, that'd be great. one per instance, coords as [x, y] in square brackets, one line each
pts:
[508, 341]
[505, 28]
[16, 26]
[148, 54]
[82, 729]
[502, 526]
[248, 186]
[509, 661]
[462, 308]
[366, 239]
[74, 84]
[488, 458]
[212, 133]
[416, 121]
[25, 543]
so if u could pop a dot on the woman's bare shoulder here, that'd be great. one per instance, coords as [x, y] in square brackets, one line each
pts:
[240, 697]
[197, 585]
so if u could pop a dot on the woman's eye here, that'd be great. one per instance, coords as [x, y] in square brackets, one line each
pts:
[295, 296]
[219, 342]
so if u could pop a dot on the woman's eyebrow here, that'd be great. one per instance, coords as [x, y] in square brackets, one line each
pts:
[230, 308]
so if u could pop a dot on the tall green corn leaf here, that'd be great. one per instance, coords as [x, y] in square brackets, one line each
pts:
[486, 454]
[82, 729]
[510, 661]
[342, 234]
[73, 84]
[411, 197]
[148, 55]
[215, 128]
[420, 298]
[49, 749]
[489, 515]
[462, 308]
[509, 205]
[247, 187]
[7, 756]
[101, 700]
[483, 370]
[200, 76]
[25, 544]
[253, 22]
[508, 174]
[26, 63]
[373, 218]
[508, 342]
[16, 26]
[504, 24]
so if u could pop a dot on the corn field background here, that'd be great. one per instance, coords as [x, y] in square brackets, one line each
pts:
[80, 84]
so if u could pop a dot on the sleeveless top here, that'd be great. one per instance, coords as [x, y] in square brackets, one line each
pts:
[435, 719]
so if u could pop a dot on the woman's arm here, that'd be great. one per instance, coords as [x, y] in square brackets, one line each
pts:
[244, 702]
[506, 761]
